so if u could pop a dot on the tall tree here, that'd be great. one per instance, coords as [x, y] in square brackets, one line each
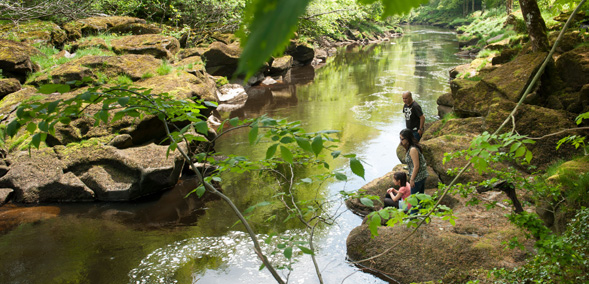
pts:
[535, 25]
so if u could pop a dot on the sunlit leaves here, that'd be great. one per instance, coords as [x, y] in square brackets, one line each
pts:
[317, 145]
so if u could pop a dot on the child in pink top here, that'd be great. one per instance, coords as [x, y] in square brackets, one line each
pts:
[393, 195]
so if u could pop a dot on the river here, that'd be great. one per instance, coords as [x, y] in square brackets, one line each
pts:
[357, 92]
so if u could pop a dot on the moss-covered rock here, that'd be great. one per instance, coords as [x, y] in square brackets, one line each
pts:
[8, 86]
[280, 65]
[15, 59]
[158, 46]
[134, 66]
[35, 31]
[94, 25]
[511, 79]
[302, 53]
[473, 98]
[135, 29]
[476, 242]
[573, 67]
[182, 85]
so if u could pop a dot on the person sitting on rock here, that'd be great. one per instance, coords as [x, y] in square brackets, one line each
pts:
[396, 198]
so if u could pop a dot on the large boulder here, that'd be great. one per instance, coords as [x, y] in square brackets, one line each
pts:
[15, 59]
[94, 25]
[512, 78]
[39, 176]
[280, 65]
[135, 29]
[475, 242]
[35, 31]
[122, 174]
[471, 98]
[158, 46]
[221, 59]
[8, 86]
[301, 53]
[182, 85]
[132, 65]
[573, 67]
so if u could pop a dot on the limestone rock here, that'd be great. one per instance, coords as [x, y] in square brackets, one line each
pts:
[190, 52]
[158, 46]
[36, 31]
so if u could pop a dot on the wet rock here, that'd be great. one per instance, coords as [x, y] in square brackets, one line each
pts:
[11, 217]
[15, 59]
[221, 59]
[8, 86]
[302, 54]
[158, 46]
[280, 65]
[573, 67]
[5, 195]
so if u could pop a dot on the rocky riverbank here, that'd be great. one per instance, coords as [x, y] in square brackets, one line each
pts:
[479, 102]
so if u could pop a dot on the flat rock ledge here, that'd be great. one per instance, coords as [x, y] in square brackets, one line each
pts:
[90, 172]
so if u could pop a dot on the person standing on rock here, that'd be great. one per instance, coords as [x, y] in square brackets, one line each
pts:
[414, 118]
[415, 161]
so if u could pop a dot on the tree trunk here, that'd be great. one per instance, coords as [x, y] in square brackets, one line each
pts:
[535, 25]
[509, 6]
[473, 5]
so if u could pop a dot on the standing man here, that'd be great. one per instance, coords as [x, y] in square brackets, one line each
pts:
[414, 118]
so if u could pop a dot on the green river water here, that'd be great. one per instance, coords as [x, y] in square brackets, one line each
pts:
[172, 240]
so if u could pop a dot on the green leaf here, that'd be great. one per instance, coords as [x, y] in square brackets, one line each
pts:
[52, 106]
[12, 128]
[65, 120]
[36, 140]
[253, 135]
[304, 144]
[286, 154]
[520, 152]
[43, 125]
[271, 151]
[53, 88]
[200, 191]
[123, 101]
[31, 127]
[529, 156]
[340, 176]
[317, 144]
[288, 252]
[202, 127]
[234, 121]
[367, 201]
[357, 167]
[374, 224]
[286, 140]
[335, 154]
[307, 180]
[306, 250]
[270, 23]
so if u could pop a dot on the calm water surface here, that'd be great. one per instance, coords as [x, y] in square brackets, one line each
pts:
[176, 240]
